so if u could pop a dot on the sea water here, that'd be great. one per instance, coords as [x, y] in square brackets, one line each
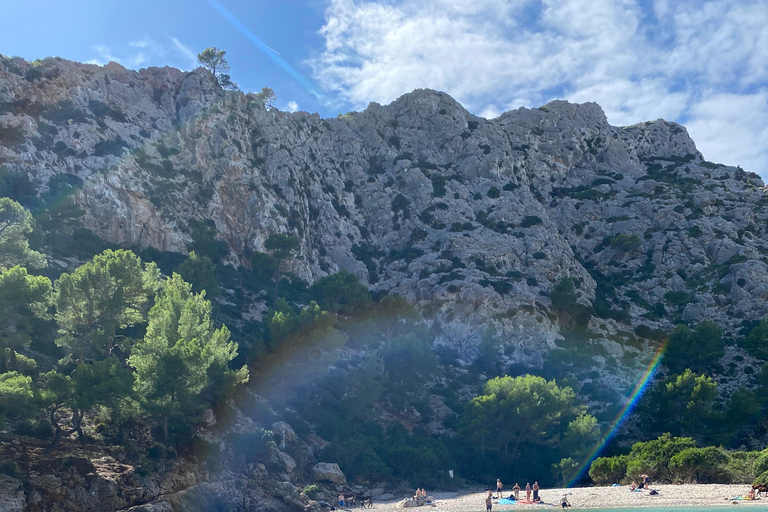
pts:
[746, 505]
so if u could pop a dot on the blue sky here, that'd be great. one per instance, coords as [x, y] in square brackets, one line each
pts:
[701, 63]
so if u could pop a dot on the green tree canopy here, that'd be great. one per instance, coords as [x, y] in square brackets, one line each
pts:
[565, 302]
[173, 360]
[699, 349]
[281, 248]
[756, 342]
[267, 96]
[515, 410]
[16, 224]
[22, 298]
[683, 404]
[341, 293]
[108, 293]
[214, 60]
[17, 396]
[200, 272]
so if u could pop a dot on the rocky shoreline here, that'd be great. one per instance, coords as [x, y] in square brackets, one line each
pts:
[597, 498]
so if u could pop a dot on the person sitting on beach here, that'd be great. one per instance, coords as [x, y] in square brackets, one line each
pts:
[516, 489]
[633, 486]
[424, 493]
[751, 494]
[564, 501]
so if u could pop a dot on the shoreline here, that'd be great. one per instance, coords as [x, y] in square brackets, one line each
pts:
[669, 495]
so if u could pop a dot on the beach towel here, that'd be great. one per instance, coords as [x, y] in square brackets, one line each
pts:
[507, 501]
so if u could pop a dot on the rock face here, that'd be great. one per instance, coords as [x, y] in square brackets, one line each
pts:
[12, 497]
[473, 220]
[329, 472]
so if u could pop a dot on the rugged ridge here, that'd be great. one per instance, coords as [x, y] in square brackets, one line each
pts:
[473, 220]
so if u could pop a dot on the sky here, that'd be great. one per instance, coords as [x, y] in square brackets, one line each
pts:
[701, 63]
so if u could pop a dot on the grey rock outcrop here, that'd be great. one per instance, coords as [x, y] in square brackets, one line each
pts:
[12, 497]
[328, 472]
[472, 220]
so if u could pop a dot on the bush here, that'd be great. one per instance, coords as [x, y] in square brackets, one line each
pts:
[340, 293]
[530, 220]
[8, 467]
[699, 465]
[310, 491]
[608, 470]
[494, 193]
[626, 243]
[653, 457]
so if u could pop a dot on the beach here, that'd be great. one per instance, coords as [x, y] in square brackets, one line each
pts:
[695, 495]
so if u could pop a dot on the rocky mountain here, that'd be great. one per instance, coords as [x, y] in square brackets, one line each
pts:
[473, 220]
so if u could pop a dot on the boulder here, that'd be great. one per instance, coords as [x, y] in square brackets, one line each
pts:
[284, 431]
[11, 494]
[327, 471]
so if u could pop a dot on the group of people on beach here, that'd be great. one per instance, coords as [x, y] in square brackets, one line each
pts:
[516, 494]
[645, 480]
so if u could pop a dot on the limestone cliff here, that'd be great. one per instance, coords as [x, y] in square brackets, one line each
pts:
[473, 220]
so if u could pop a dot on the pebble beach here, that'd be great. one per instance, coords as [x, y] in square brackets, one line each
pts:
[596, 498]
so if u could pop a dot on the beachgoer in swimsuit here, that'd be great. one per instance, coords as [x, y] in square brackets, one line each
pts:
[489, 501]
[341, 501]
[536, 491]
[633, 486]
[516, 488]
[499, 487]
[564, 501]
[528, 491]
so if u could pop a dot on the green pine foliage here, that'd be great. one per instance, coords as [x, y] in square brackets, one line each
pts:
[181, 346]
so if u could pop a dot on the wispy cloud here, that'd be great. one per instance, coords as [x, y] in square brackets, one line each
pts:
[695, 62]
[147, 52]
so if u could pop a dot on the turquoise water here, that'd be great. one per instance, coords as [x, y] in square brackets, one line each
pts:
[718, 508]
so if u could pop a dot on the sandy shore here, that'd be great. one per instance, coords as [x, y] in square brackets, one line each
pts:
[594, 497]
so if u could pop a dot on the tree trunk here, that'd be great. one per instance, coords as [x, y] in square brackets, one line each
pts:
[12, 359]
[165, 429]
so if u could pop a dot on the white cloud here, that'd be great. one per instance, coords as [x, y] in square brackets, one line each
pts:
[682, 60]
[147, 52]
[733, 129]
[292, 106]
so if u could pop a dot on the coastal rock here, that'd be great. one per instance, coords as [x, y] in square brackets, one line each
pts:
[326, 471]
[12, 497]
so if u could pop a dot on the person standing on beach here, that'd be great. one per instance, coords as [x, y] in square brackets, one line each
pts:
[536, 491]
[528, 491]
[499, 487]
[489, 501]
[516, 488]
[341, 501]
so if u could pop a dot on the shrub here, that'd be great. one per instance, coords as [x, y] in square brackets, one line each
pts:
[494, 193]
[699, 465]
[652, 457]
[310, 491]
[530, 220]
[626, 243]
[608, 470]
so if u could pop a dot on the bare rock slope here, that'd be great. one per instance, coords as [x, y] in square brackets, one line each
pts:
[473, 220]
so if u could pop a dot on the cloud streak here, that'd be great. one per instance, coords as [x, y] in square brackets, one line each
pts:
[699, 63]
[147, 52]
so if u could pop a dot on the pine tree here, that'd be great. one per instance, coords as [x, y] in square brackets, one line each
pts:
[16, 224]
[22, 298]
[180, 350]
[110, 292]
